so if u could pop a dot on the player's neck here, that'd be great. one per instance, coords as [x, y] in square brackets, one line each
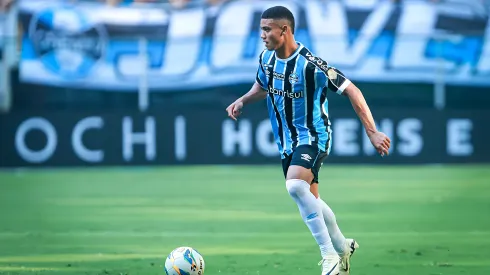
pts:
[287, 50]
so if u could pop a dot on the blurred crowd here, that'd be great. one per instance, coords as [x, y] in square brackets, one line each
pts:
[174, 3]
[181, 3]
[483, 5]
[4, 4]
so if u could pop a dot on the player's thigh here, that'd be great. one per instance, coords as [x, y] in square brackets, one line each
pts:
[300, 172]
[295, 171]
[303, 163]
[318, 165]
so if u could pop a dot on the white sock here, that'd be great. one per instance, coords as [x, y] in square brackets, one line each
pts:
[311, 213]
[338, 239]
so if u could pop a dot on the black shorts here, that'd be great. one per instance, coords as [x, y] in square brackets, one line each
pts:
[306, 156]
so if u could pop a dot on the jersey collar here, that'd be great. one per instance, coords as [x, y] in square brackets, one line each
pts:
[300, 46]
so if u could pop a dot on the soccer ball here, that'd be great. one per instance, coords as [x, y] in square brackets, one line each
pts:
[184, 261]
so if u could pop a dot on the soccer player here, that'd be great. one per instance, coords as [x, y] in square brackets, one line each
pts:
[295, 83]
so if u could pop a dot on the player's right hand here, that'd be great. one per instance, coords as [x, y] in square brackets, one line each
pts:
[381, 142]
[235, 109]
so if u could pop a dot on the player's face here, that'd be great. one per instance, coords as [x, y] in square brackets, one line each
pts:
[272, 34]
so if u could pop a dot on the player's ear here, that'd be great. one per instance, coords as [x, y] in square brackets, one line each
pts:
[284, 29]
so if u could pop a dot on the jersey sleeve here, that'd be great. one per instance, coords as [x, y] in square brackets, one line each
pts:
[336, 80]
[261, 77]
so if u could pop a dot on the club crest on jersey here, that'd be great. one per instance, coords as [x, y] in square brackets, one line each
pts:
[293, 78]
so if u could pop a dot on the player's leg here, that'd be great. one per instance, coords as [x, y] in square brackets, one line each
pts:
[344, 247]
[298, 179]
[338, 239]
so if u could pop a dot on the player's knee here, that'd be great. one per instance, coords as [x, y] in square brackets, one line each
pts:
[297, 187]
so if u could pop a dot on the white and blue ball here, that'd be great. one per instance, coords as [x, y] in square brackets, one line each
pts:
[184, 261]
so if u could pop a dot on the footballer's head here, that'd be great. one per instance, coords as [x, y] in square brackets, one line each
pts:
[277, 24]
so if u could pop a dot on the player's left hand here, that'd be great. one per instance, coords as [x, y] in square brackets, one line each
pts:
[381, 142]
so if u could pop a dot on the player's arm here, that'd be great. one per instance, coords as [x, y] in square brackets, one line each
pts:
[338, 83]
[379, 140]
[255, 94]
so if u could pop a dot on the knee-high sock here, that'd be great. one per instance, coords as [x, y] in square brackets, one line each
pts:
[338, 239]
[311, 213]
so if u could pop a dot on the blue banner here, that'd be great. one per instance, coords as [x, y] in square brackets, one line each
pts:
[3, 72]
[95, 46]
[2, 34]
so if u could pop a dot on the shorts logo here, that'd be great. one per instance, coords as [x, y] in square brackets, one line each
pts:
[306, 157]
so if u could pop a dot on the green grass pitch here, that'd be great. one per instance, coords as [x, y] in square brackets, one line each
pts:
[408, 219]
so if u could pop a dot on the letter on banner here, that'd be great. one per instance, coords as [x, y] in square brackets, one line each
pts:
[77, 139]
[414, 31]
[484, 63]
[147, 138]
[47, 128]
[184, 41]
[411, 142]
[330, 34]
[180, 138]
[232, 30]
[232, 137]
[459, 137]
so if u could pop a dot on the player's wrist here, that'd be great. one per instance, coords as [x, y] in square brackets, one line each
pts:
[239, 101]
[371, 132]
[242, 100]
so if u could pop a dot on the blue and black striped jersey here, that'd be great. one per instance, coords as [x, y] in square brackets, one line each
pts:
[297, 97]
